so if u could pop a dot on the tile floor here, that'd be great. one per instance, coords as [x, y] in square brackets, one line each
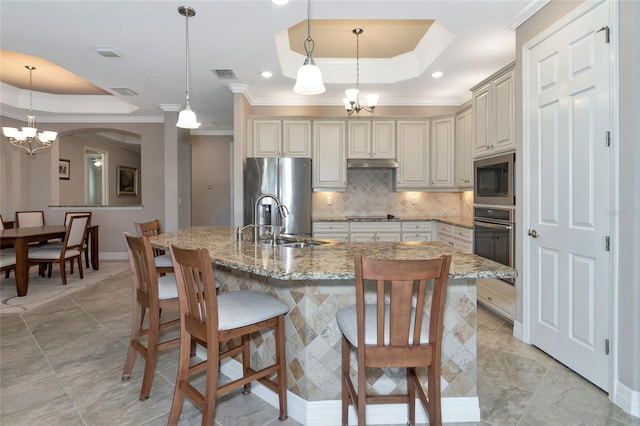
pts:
[60, 364]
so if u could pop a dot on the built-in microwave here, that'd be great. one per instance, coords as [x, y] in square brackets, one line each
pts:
[494, 180]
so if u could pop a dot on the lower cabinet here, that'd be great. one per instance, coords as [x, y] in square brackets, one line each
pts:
[456, 236]
[416, 231]
[331, 230]
[375, 231]
[497, 295]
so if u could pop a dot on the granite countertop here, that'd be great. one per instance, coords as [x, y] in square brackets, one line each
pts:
[463, 221]
[330, 261]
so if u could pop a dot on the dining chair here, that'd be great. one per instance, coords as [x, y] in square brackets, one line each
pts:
[67, 218]
[70, 250]
[8, 253]
[215, 318]
[388, 328]
[25, 219]
[151, 293]
[162, 260]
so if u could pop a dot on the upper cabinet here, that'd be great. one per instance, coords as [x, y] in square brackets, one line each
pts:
[329, 156]
[281, 138]
[413, 156]
[464, 152]
[494, 114]
[442, 152]
[371, 139]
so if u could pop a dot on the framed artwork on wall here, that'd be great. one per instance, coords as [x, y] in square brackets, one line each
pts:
[64, 169]
[127, 183]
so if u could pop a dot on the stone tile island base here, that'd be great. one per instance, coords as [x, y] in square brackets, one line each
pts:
[313, 348]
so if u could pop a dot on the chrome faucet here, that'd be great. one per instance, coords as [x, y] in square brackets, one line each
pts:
[283, 211]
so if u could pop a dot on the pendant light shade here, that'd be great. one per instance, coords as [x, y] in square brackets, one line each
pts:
[187, 118]
[309, 78]
[352, 101]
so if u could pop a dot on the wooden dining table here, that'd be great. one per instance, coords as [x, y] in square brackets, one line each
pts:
[21, 237]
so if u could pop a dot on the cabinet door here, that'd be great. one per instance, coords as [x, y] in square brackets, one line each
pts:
[418, 236]
[267, 136]
[296, 141]
[413, 155]
[442, 153]
[388, 237]
[504, 99]
[359, 139]
[362, 237]
[383, 139]
[482, 116]
[329, 156]
[464, 151]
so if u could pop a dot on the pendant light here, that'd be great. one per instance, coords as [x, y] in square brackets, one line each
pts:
[28, 137]
[352, 101]
[309, 79]
[187, 118]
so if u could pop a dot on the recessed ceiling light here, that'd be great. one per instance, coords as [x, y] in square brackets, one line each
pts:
[437, 74]
[279, 2]
[266, 74]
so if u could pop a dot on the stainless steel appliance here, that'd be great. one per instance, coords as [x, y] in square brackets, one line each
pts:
[494, 180]
[494, 235]
[289, 179]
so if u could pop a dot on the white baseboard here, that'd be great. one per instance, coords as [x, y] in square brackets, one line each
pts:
[627, 399]
[115, 255]
[326, 413]
[518, 330]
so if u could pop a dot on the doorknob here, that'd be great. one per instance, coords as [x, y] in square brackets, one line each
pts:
[533, 233]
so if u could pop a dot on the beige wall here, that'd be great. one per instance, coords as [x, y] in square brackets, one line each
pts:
[211, 180]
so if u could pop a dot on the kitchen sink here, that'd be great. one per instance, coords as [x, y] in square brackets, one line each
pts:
[291, 243]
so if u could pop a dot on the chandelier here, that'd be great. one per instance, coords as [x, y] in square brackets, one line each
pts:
[309, 78]
[187, 118]
[352, 101]
[28, 137]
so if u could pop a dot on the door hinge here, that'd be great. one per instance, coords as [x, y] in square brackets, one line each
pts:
[607, 138]
[607, 243]
[606, 32]
[606, 346]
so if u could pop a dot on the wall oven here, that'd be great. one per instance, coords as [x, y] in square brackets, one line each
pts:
[494, 180]
[494, 235]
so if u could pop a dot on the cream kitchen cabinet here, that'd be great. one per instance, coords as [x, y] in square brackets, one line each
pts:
[331, 230]
[498, 296]
[413, 156]
[281, 138]
[464, 151]
[371, 139]
[494, 114]
[329, 156]
[417, 231]
[442, 152]
[375, 231]
[456, 236]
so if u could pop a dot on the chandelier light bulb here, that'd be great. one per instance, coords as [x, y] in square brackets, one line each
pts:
[352, 101]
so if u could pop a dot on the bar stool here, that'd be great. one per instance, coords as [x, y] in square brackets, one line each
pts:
[213, 318]
[395, 333]
[163, 261]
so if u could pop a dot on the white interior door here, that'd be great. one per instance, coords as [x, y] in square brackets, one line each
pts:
[569, 180]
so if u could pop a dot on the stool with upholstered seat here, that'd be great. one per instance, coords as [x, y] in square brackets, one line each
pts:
[162, 260]
[389, 329]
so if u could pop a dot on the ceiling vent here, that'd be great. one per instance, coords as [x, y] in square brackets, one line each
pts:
[124, 91]
[108, 52]
[226, 74]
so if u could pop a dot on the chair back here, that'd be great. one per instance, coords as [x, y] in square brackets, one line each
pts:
[399, 337]
[76, 232]
[69, 215]
[1, 223]
[196, 288]
[150, 229]
[143, 270]
[25, 219]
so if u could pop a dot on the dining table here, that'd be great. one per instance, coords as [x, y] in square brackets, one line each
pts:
[21, 237]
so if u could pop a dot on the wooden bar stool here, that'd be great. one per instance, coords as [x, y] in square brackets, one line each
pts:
[213, 318]
[163, 261]
[395, 333]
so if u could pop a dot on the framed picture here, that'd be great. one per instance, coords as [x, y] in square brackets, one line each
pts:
[127, 180]
[64, 169]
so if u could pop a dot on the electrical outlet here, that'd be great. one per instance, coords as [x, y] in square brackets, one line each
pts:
[329, 200]
[414, 201]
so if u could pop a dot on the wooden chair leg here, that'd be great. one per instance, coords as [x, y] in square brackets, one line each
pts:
[63, 272]
[246, 361]
[80, 269]
[282, 367]
[211, 385]
[182, 377]
[138, 313]
[362, 395]
[411, 395]
[152, 354]
[346, 349]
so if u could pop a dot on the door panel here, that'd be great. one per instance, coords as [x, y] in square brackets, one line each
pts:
[569, 186]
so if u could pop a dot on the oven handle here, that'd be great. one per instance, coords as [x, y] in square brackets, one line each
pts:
[492, 225]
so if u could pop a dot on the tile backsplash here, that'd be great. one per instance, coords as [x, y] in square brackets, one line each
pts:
[370, 193]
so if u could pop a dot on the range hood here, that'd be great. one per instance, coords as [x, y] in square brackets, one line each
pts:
[372, 163]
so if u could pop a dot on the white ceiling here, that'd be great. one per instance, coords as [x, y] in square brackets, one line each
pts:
[247, 37]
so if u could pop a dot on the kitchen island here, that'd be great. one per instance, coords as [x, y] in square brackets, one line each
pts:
[316, 281]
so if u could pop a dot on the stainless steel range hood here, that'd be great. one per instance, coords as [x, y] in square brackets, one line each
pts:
[372, 163]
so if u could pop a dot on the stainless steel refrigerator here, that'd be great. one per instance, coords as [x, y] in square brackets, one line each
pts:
[289, 179]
